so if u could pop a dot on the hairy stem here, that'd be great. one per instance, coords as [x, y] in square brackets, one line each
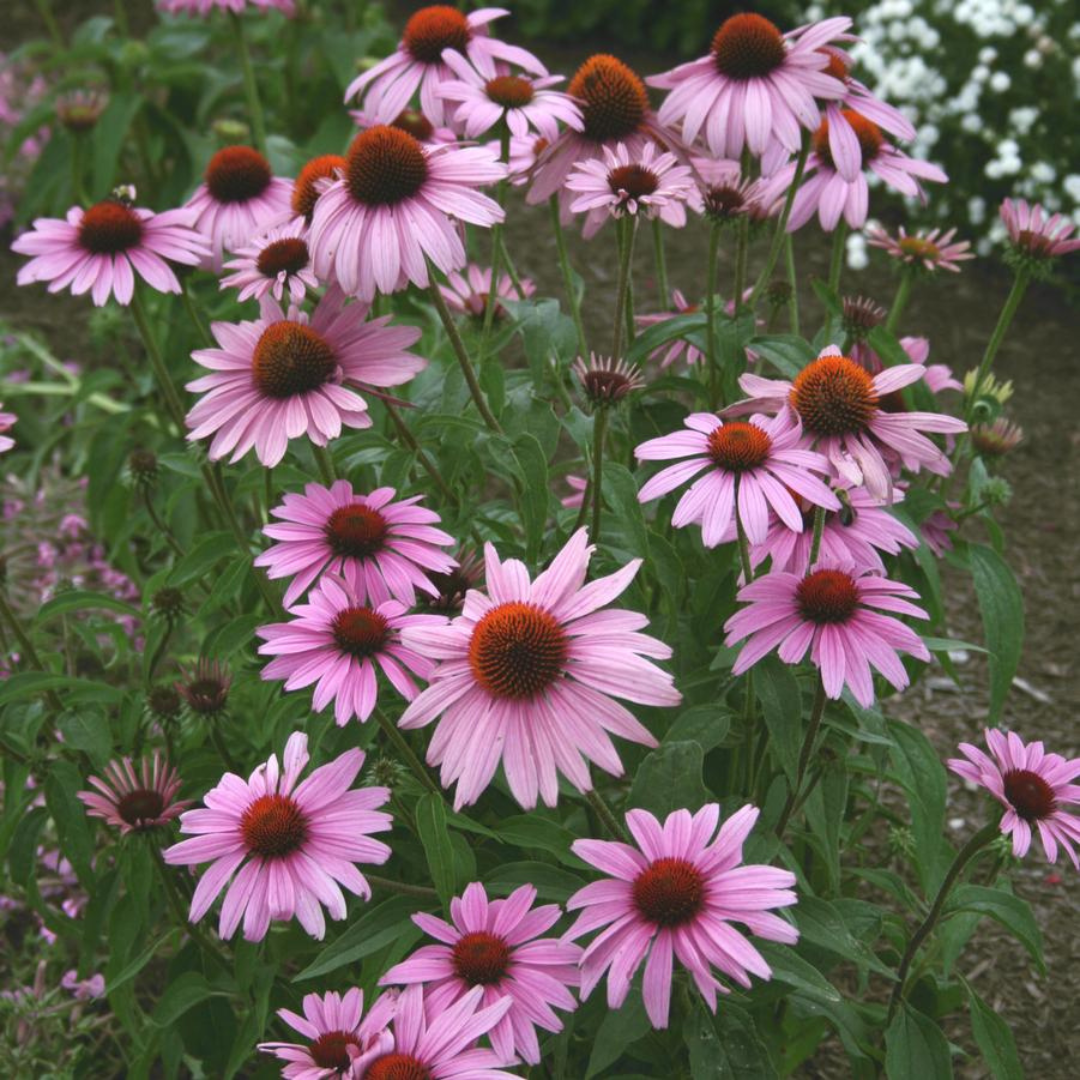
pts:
[781, 226]
[817, 712]
[251, 87]
[568, 276]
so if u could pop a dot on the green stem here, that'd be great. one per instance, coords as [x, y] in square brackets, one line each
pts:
[603, 812]
[121, 19]
[168, 389]
[221, 748]
[781, 226]
[402, 887]
[177, 904]
[974, 845]
[492, 303]
[599, 434]
[661, 262]
[406, 751]
[836, 262]
[568, 277]
[817, 712]
[410, 440]
[51, 25]
[793, 281]
[1020, 284]
[586, 502]
[78, 192]
[161, 527]
[193, 314]
[462, 355]
[251, 87]
[325, 463]
[710, 314]
[626, 230]
[815, 542]
[903, 291]
[7, 612]
[511, 269]
[744, 544]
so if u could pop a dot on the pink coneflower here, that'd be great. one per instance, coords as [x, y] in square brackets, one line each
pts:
[454, 585]
[756, 85]
[413, 122]
[751, 466]
[836, 612]
[728, 196]
[396, 207]
[136, 800]
[383, 549]
[676, 895]
[668, 354]
[204, 7]
[7, 422]
[308, 186]
[647, 183]
[276, 261]
[100, 250]
[468, 294]
[438, 1045]
[525, 103]
[839, 403]
[825, 188]
[1032, 785]
[527, 676]
[606, 381]
[932, 251]
[338, 642]
[493, 946]
[238, 198]
[1036, 235]
[938, 377]
[937, 530]
[854, 534]
[279, 377]
[341, 1040]
[991, 440]
[578, 485]
[615, 109]
[292, 848]
[418, 64]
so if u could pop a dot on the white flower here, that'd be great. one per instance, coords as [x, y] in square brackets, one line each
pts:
[1000, 82]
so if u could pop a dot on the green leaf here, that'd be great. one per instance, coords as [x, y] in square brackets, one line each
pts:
[534, 498]
[1002, 606]
[22, 851]
[788, 353]
[707, 725]
[618, 1030]
[109, 134]
[130, 970]
[28, 683]
[1009, 910]
[919, 769]
[821, 923]
[727, 1046]
[377, 926]
[208, 551]
[225, 640]
[182, 993]
[621, 494]
[916, 1048]
[781, 702]
[431, 828]
[80, 600]
[69, 817]
[530, 831]
[663, 332]
[87, 730]
[788, 967]
[995, 1040]
[670, 779]
[550, 882]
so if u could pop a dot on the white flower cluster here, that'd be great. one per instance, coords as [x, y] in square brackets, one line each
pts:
[991, 87]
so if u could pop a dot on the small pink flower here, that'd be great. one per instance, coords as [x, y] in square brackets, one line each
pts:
[7, 422]
[755, 86]
[756, 467]
[204, 7]
[442, 1044]
[281, 377]
[646, 183]
[100, 250]
[525, 103]
[337, 642]
[528, 673]
[238, 198]
[383, 549]
[937, 530]
[290, 846]
[1036, 234]
[468, 294]
[419, 63]
[841, 408]
[826, 187]
[493, 946]
[84, 989]
[1032, 785]
[397, 206]
[270, 264]
[341, 1040]
[676, 895]
[933, 250]
[578, 485]
[836, 612]
[136, 800]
